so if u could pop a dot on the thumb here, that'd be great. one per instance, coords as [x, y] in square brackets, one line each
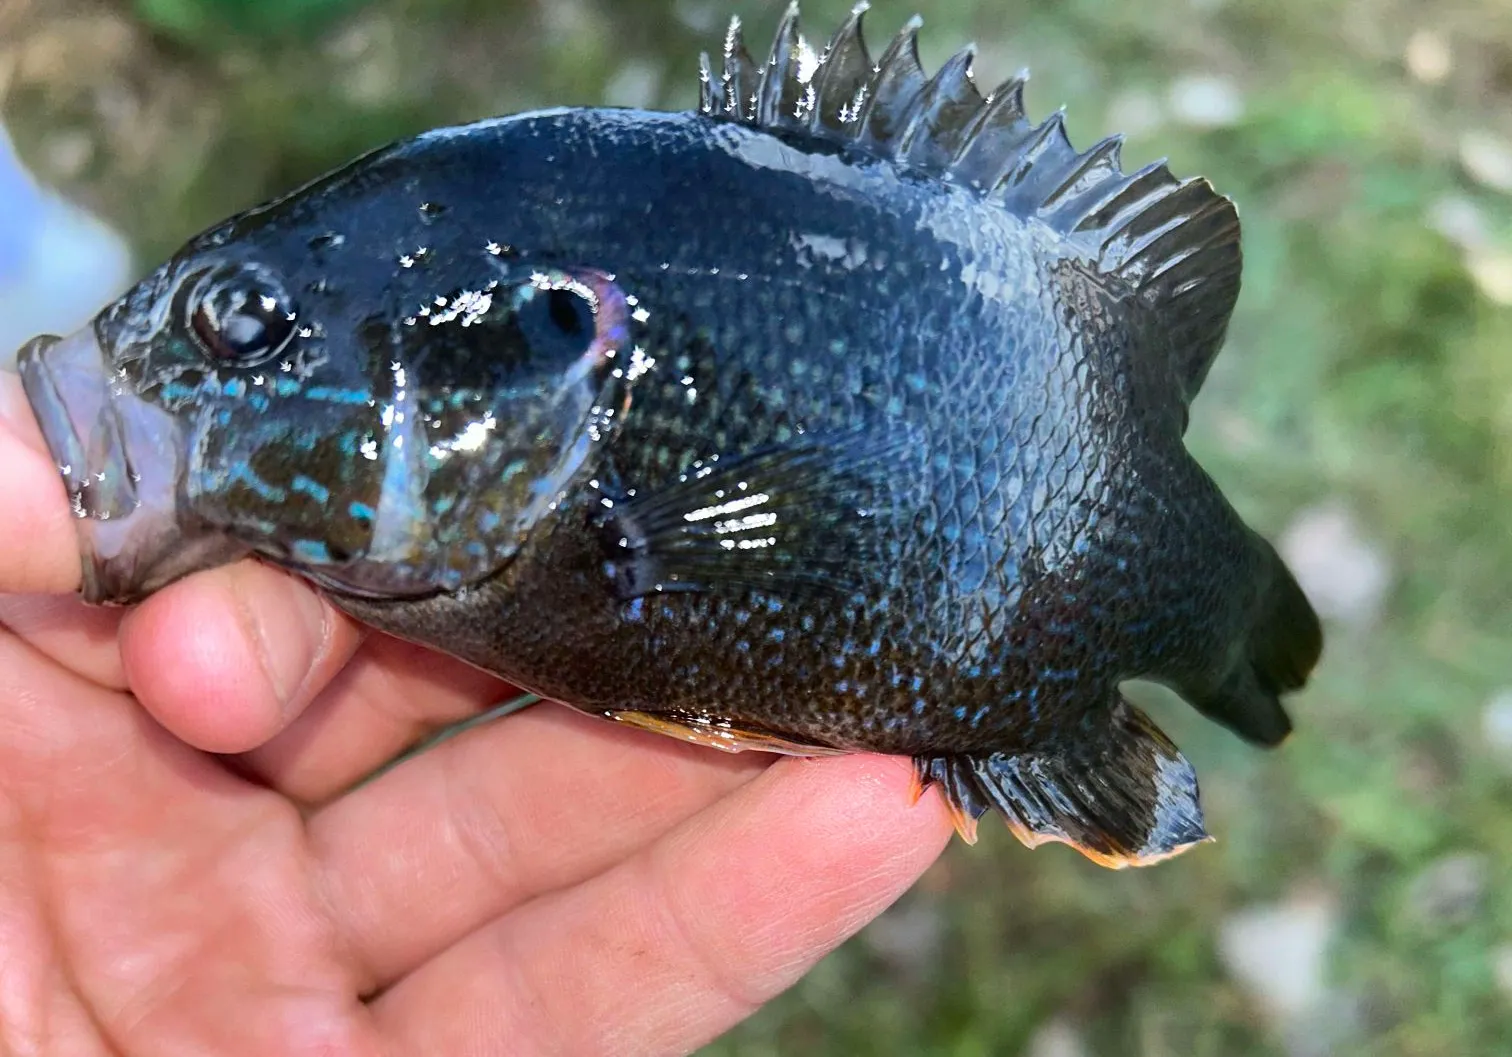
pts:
[39, 550]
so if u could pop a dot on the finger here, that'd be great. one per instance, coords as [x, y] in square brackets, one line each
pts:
[39, 550]
[678, 943]
[227, 658]
[390, 696]
[80, 637]
[497, 816]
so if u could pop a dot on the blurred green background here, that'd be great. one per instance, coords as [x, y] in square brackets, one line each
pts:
[1358, 899]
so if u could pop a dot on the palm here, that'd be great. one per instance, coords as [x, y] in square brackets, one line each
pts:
[184, 867]
[163, 906]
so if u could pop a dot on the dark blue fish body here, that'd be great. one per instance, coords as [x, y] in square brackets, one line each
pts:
[845, 414]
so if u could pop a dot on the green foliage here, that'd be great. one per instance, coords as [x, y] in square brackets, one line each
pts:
[205, 22]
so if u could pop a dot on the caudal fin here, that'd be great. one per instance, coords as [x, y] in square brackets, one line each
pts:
[1288, 640]
[1122, 796]
[1284, 646]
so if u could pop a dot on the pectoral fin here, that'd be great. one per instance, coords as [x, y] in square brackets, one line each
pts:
[1125, 797]
[812, 514]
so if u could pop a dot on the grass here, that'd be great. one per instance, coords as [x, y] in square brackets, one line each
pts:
[1366, 366]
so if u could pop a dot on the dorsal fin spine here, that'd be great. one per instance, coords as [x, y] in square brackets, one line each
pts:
[742, 81]
[705, 85]
[779, 75]
[844, 69]
[1002, 115]
[1098, 166]
[1047, 138]
[1165, 239]
[931, 140]
[892, 92]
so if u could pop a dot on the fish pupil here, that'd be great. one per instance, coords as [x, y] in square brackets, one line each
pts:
[557, 324]
[242, 320]
[567, 312]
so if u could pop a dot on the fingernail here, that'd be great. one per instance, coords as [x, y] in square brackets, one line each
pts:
[16, 416]
[288, 625]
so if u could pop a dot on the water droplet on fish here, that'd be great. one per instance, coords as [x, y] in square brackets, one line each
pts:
[330, 240]
[430, 211]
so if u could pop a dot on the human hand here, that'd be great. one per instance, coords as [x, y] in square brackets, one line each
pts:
[184, 871]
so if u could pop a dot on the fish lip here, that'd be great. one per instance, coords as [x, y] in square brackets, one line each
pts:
[121, 459]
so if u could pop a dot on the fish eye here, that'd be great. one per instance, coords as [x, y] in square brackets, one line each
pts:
[558, 321]
[242, 317]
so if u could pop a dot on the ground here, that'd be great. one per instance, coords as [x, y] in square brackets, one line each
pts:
[1361, 415]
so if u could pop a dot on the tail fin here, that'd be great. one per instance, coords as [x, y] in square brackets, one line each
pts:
[1123, 796]
[1288, 640]
[1284, 646]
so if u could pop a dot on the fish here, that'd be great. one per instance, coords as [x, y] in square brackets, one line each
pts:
[844, 412]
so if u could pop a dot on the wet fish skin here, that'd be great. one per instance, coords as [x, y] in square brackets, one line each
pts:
[879, 461]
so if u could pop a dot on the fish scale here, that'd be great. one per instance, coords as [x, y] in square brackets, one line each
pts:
[842, 414]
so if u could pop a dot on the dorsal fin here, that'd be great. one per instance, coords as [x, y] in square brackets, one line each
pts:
[1174, 243]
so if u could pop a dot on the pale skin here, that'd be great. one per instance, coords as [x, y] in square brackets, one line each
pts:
[184, 871]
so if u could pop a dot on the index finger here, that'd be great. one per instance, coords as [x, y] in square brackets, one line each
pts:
[684, 939]
[39, 550]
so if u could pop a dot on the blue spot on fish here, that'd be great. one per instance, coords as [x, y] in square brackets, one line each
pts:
[312, 551]
[312, 488]
[244, 475]
[333, 395]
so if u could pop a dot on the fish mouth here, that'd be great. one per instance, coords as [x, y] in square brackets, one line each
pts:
[121, 459]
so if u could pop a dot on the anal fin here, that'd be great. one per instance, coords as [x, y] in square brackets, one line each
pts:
[716, 733]
[1125, 798]
[962, 798]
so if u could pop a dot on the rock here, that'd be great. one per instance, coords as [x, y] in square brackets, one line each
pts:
[1056, 1038]
[1461, 221]
[1344, 575]
[1205, 101]
[1491, 269]
[1501, 967]
[1278, 953]
[1428, 57]
[1487, 159]
[1448, 891]
[1496, 726]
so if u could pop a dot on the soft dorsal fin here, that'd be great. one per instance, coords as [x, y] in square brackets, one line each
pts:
[1174, 243]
